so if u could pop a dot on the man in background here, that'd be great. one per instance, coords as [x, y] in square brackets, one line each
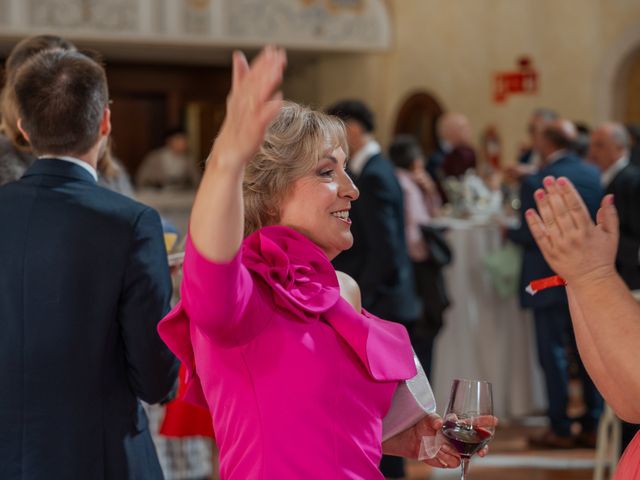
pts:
[609, 151]
[550, 309]
[454, 132]
[85, 281]
[170, 165]
[378, 260]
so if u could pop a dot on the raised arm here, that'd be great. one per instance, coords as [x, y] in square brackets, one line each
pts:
[217, 217]
[605, 315]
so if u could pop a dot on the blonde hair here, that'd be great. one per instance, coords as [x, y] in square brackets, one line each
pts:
[294, 143]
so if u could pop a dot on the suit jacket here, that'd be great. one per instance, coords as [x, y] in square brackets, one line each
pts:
[625, 187]
[84, 282]
[458, 161]
[379, 260]
[586, 178]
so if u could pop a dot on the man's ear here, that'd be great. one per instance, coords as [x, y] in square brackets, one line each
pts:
[105, 123]
[22, 130]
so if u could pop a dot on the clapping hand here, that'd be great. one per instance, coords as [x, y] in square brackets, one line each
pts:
[573, 246]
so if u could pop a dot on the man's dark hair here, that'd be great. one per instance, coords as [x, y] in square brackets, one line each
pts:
[61, 98]
[355, 110]
[557, 137]
[170, 132]
[404, 150]
[30, 46]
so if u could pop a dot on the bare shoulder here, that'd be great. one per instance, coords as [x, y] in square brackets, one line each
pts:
[349, 290]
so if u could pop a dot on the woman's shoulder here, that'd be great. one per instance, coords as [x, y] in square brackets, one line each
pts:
[349, 290]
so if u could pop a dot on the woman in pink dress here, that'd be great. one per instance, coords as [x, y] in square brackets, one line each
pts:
[296, 376]
[606, 317]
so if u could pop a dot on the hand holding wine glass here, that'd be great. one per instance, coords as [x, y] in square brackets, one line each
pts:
[469, 423]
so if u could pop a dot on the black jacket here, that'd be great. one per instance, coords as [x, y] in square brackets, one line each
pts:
[84, 281]
[379, 260]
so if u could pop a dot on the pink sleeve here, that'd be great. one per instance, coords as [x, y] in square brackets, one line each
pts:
[222, 300]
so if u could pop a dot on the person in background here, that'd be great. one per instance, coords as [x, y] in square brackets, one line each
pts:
[529, 159]
[454, 132]
[388, 287]
[583, 137]
[85, 281]
[634, 149]
[170, 165]
[605, 316]
[15, 152]
[609, 151]
[421, 203]
[550, 311]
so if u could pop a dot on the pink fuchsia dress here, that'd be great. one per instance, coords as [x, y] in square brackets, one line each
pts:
[629, 466]
[296, 380]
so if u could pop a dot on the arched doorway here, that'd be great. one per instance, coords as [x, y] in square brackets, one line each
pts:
[618, 80]
[418, 116]
[631, 104]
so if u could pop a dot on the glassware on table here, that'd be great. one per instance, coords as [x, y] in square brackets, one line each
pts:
[469, 423]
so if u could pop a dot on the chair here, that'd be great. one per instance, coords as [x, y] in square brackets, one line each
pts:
[607, 445]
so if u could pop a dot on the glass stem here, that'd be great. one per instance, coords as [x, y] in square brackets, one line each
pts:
[464, 466]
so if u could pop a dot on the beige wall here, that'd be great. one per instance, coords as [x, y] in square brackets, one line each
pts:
[452, 48]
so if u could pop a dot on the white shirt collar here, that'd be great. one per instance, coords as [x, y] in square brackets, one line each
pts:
[610, 173]
[78, 162]
[359, 159]
[555, 156]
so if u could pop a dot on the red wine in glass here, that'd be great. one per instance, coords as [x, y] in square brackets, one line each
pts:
[466, 439]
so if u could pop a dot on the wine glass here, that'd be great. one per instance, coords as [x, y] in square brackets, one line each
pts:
[469, 423]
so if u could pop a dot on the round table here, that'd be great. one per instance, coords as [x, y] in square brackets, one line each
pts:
[485, 336]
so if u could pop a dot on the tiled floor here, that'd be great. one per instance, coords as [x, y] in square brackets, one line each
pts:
[510, 458]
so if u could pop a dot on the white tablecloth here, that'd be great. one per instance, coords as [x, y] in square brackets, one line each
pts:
[485, 337]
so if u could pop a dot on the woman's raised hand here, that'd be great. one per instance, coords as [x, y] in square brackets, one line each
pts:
[574, 247]
[217, 216]
[254, 100]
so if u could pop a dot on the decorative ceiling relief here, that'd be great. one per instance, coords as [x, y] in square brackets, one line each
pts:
[349, 25]
[314, 22]
[100, 15]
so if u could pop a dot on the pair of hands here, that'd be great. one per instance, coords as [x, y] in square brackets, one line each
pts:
[407, 444]
[574, 247]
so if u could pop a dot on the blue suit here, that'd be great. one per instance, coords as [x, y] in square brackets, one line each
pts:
[84, 281]
[379, 260]
[550, 308]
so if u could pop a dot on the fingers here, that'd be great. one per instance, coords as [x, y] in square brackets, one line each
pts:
[607, 216]
[487, 421]
[448, 460]
[240, 69]
[434, 421]
[575, 205]
[538, 230]
[266, 72]
[561, 216]
[545, 212]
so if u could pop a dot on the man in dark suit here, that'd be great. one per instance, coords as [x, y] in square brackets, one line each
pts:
[379, 260]
[609, 151]
[550, 309]
[84, 277]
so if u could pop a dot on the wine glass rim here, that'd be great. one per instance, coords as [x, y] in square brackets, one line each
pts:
[469, 380]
